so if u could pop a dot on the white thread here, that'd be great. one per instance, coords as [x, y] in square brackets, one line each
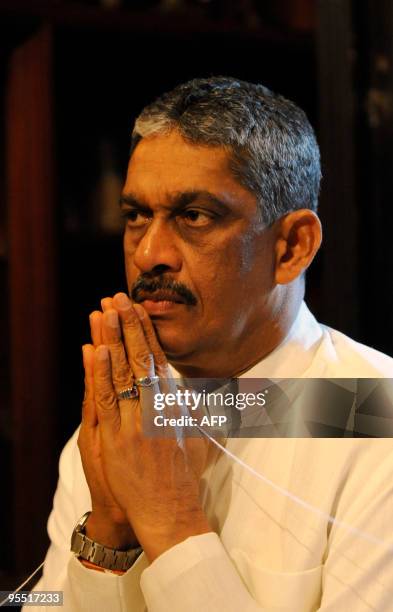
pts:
[273, 485]
[299, 500]
[23, 584]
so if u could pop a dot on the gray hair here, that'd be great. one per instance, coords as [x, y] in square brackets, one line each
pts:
[272, 146]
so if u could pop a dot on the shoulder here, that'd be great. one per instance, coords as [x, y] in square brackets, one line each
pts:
[348, 358]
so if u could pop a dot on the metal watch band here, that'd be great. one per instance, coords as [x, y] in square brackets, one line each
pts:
[103, 556]
[108, 558]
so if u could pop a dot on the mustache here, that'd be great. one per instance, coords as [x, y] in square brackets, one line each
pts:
[151, 285]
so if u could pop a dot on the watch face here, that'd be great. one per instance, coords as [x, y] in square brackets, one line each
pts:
[73, 539]
[79, 528]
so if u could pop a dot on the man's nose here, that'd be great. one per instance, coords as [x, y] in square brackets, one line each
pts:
[157, 248]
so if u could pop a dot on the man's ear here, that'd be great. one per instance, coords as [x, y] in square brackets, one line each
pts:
[299, 236]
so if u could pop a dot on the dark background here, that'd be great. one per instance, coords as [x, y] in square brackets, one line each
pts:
[73, 76]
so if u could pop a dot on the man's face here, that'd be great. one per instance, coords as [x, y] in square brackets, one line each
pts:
[197, 255]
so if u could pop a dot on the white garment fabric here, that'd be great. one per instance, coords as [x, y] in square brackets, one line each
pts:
[266, 552]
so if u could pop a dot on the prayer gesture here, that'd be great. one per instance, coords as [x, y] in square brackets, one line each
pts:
[144, 489]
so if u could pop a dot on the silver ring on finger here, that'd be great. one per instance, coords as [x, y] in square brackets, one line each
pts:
[147, 381]
[128, 393]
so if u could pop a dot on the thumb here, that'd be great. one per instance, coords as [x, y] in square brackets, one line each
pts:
[105, 397]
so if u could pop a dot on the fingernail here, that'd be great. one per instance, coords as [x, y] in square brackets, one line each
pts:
[85, 349]
[123, 301]
[102, 352]
[112, 318]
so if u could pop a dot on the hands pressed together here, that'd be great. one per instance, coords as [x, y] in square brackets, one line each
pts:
[144, 490]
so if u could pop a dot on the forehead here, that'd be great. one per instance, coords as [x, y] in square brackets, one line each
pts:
[167, 164]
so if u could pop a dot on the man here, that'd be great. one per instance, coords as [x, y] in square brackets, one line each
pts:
[220, 226]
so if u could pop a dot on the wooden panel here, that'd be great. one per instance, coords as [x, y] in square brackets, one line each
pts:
[31, 292]
[375, 36]
[338, 207]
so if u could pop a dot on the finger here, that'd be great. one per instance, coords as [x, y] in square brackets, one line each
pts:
[95, 320]
[111, 335]
[160, 361]
[140, 356]
[104, 392]
[89, 414]
[106, 303]
[122, 376]
[161, 365]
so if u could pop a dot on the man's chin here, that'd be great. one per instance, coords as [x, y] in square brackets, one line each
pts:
[175, 342]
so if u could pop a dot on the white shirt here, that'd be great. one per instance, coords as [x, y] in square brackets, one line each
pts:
[268, 551]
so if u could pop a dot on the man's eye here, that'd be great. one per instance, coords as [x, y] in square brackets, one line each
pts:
[196, 218]
[134, 218]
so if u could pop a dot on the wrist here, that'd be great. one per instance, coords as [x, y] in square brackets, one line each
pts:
[102, 528]
[155, 540]
[98, 568]
[97, 554]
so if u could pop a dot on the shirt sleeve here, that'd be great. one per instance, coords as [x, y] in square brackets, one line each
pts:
[83, 589]
[196, 575]
[356, 571]
[200, 573]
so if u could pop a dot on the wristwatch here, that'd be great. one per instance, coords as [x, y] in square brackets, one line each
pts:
[103, 556]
